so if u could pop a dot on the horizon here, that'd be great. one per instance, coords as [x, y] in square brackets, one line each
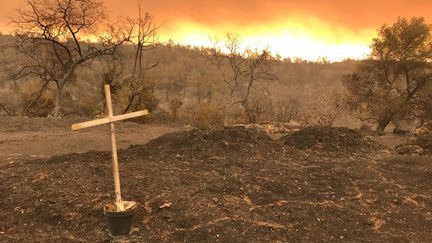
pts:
[310, 30]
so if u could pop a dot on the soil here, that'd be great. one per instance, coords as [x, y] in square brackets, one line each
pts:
[229, 185]
[421, 145]
[335, 140]
[24, 138]
[425, 142]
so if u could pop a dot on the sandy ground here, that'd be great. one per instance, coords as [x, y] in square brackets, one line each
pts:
[23, 138]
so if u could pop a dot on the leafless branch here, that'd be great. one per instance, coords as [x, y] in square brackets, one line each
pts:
[51, 33]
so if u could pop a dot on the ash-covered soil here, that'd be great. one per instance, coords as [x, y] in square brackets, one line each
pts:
[331, 139]
[230, 185]
[417, 145]
[425, 142]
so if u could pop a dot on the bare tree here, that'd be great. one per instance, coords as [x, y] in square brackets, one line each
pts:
[287, 110]
[115, 67]
[139, 90]
[51, 35]
[240, 72]
[258, 68]
[259, 109]
[2, 64]
[322, 108]
[146, 38]
[138, 94]
[204, 91]
[175, 106]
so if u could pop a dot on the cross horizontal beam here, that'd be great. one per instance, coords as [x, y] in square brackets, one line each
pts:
[108, 120]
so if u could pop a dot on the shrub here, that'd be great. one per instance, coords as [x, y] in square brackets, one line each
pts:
[204, 116]
[175, 105]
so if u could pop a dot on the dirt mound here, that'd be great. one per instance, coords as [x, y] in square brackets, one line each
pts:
[409, 149]
[228, 140]
[425, 142]
[331, 140]
[422, 145]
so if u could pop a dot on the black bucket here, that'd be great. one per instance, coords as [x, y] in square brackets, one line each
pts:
[120, 223]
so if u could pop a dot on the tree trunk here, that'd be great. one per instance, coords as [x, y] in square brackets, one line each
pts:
[41, 91]
[174, 113]
[383, 123]
[62, 83]
[57, 103]
[131, 100]
[225, 111]
[6, 110]
[134, 71]
[102, 108]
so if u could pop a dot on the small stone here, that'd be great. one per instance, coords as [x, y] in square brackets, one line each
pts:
[165, 205]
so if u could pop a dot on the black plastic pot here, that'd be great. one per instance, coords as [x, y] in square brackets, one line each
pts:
[120, 223]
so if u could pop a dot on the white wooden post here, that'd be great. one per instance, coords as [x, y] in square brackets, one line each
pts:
[110, 120]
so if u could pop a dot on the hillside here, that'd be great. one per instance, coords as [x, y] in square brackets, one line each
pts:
[182, 72]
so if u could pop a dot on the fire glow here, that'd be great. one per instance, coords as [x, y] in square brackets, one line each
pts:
[289, 39]
[310, 30]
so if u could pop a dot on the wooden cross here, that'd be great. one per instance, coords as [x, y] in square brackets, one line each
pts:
[110, 120]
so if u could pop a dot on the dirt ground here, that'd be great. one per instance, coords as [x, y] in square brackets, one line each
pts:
[229, 185]
[23, 138]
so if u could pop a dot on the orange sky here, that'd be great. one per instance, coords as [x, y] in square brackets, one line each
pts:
[309, 29]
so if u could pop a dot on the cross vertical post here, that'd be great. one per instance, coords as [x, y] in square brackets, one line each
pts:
[116, 173]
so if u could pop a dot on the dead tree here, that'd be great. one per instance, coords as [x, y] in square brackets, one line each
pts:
[144, 38]
[322, 108]
[240, 72]
[51, 32]
[258, 68]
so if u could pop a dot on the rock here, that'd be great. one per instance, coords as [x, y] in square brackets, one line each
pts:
[273, 127]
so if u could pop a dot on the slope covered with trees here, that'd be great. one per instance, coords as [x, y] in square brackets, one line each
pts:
[170, 72]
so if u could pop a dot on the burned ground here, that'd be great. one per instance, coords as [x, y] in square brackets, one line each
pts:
[229, 185]
[418, 145]
[328, 139]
